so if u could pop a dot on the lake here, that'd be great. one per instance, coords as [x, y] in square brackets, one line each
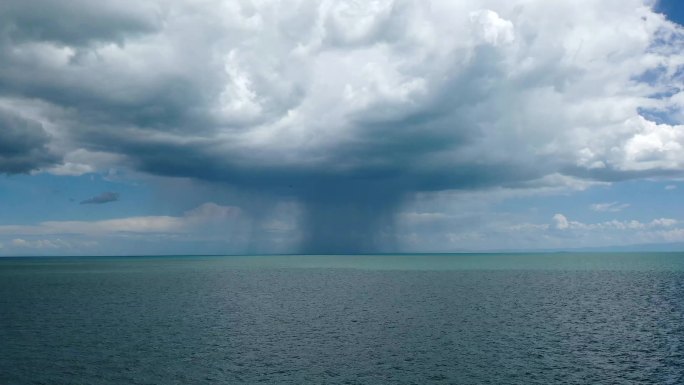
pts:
[565, 318]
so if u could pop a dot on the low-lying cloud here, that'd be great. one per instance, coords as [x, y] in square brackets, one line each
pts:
[105, 197]
[612, 207]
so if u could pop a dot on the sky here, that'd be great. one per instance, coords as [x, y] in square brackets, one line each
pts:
[250, 127]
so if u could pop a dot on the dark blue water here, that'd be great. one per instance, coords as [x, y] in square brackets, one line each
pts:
[462, 319]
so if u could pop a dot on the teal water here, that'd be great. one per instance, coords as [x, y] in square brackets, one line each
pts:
[378, 319]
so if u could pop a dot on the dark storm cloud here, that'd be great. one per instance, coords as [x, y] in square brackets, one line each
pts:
[106, 96]
[347, 108]
[105, 197]
[53, 51]
[23, 144]
[75, 22]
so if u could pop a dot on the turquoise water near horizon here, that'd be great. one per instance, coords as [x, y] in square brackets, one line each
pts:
[673, 261]
[577, 318]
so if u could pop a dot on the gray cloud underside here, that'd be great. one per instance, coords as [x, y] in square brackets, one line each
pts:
[23, 144]
[465, 121]
[75, 23]
[105, 197]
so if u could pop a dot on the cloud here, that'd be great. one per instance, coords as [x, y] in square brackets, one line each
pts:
[468, 226]
[23, 144]
[77, 23]
[562, 223]
[105, 197]
[674, 235]
[208, 228]
[565, 233]
[205, 214]
[148, 224]
[19, 242]
[612, 207]
[670, 187]
[54, 244]
[420, 217]
[349, 107]
[82, 161]
[490, 28]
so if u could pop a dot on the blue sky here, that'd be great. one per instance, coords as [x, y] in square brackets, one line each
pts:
[340, 127]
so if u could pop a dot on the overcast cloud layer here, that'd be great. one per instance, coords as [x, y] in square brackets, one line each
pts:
[344, 107]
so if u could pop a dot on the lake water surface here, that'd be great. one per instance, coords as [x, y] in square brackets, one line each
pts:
[375, 319]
